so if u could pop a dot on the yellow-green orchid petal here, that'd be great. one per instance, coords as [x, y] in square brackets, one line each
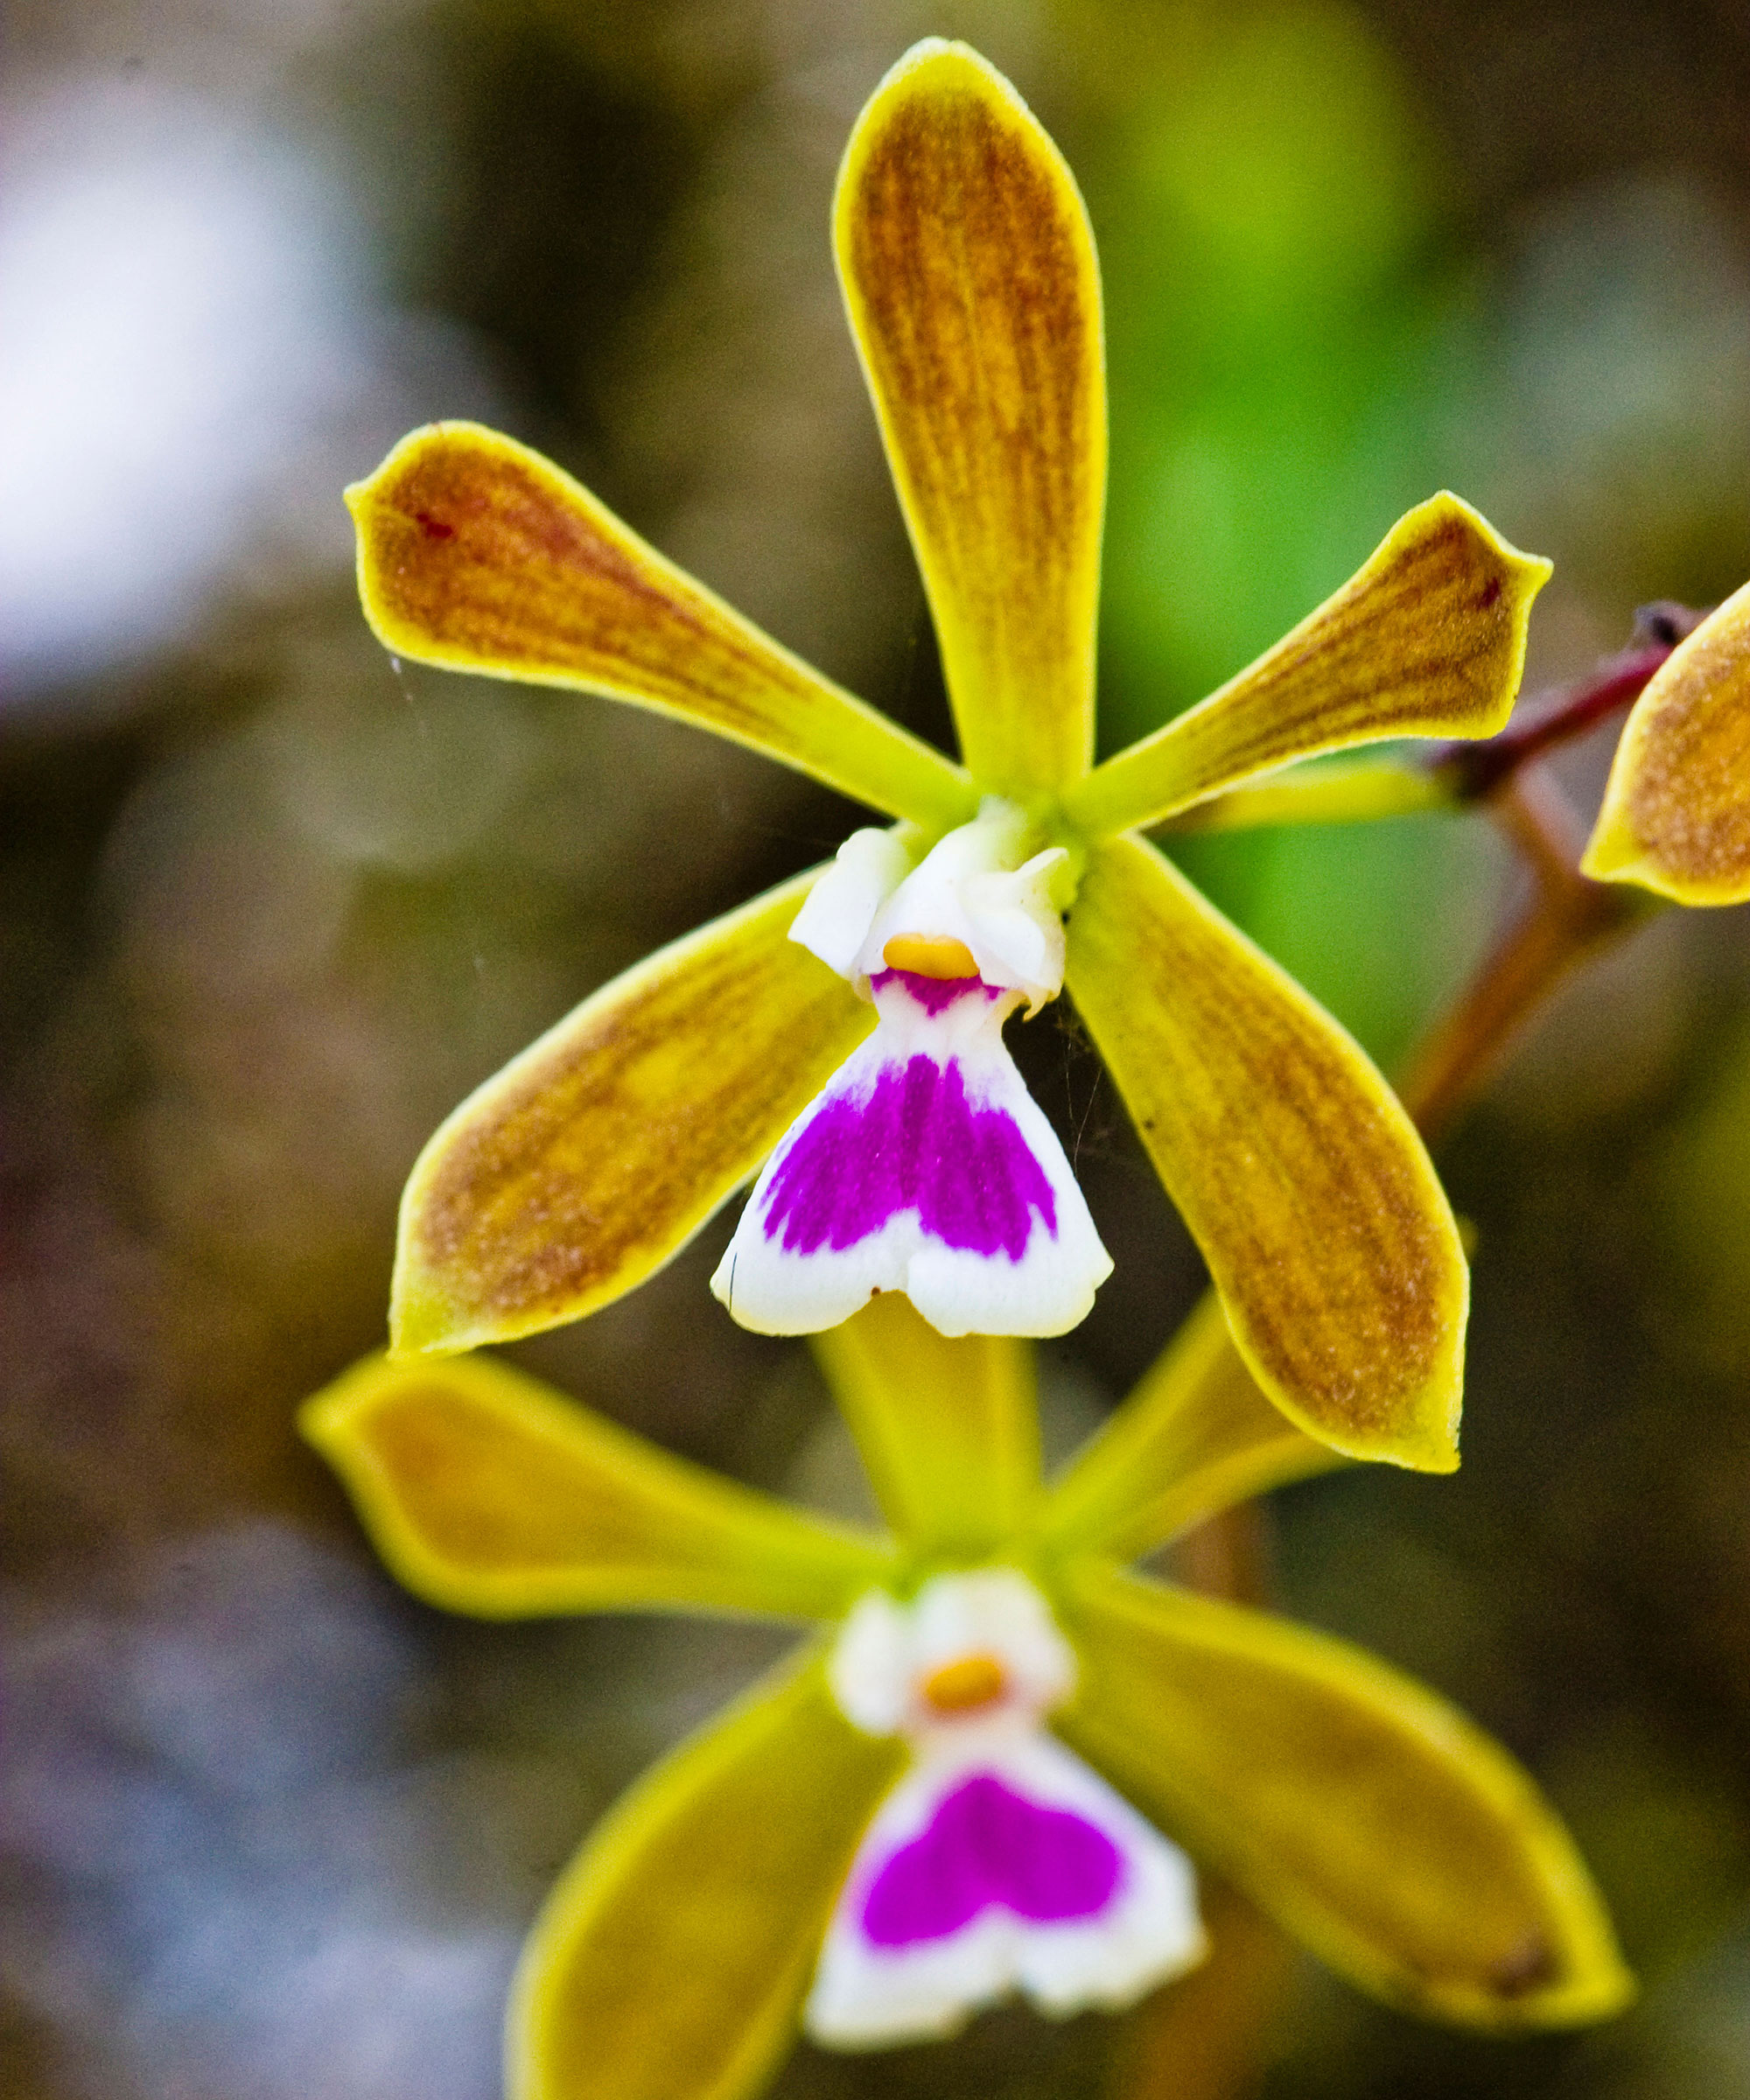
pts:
[1293, 1162]
[948, 1430]
[1357, 792]
[487, 1492]
[1426, 640]
[1371, 1818]
[476, 553]
[974, 295]
[589, 1159]
[1195, 1436]
[670, 1961]
[1676, 812]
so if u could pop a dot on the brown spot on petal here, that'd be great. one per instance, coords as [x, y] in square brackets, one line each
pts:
[476, 554]
[1426, 639]
[1533, 1962]
[489, 553]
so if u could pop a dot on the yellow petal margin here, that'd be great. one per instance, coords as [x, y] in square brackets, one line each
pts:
[1292, 1162]
[488, 1492]
[1366, 1816]
[974, 294]
[670, 1962]
[949, 1429]
[1193, 1439]
[1676, 812]
[1426, 640]
[476, 553]
[579, 1169]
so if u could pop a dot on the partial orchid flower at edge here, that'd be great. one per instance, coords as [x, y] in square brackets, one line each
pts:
[981, 1781]
[1675, 816]
[914, 1161]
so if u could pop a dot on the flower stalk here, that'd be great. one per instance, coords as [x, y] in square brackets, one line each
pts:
[1566, 918]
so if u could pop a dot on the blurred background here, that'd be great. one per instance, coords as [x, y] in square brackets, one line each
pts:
[271, 904]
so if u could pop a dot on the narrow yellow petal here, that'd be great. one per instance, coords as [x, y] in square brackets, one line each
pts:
[1292, 1162]
[1193, 1439]
[487, 1492]
[1426, 640]
[1676, 812]
[593, 1157]
[948, 1430]
[476, 553]
[670, 1962]
[1366, 1816]
[1360, 793]
[974, 294]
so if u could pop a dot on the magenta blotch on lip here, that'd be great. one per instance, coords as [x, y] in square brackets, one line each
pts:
[987, 1846]
[917, 1143]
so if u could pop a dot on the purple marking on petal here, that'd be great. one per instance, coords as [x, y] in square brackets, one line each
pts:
[984, 1846]
[916, 1144]
[932, 994]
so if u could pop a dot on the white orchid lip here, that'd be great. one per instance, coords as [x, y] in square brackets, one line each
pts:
[924, 1165]
[1000, 1862]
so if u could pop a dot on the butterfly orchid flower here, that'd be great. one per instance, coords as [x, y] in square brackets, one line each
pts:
[841, 1037]
[989, 1770]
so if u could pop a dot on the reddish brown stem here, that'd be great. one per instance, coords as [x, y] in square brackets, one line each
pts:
[1566, 918]
[1478, 770]
[1227, 1556]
